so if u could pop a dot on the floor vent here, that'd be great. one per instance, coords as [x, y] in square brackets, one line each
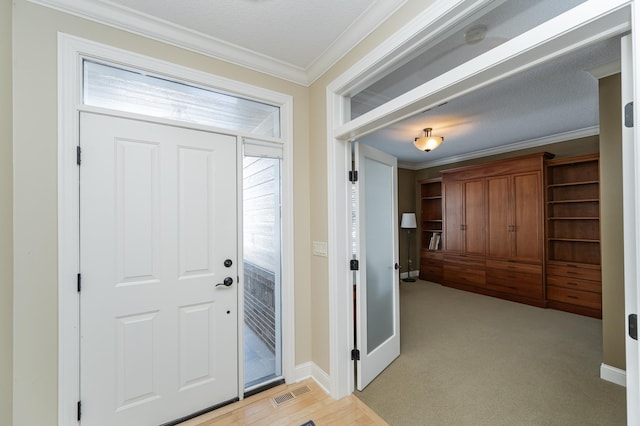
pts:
[281, 399]
[300, 391]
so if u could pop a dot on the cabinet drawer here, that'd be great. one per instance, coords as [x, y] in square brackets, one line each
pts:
[430, 271]
[514, 266]
[527, 289]
[575, 297]
[431, 255]
[573, 270]
[502, 277]
[464, 262]
[464, 276]
[575, 284]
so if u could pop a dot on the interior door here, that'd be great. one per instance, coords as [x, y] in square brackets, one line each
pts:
[631, 218]
[158, 242]
[377, 285]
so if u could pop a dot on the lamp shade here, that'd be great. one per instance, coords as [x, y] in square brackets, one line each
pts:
[427, 142]
[408, 221]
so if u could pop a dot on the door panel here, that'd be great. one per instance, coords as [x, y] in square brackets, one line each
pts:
[630, 74]
[474, 211]
[453, 212]
[528, 217]
[499, 217]
[158, 219]
[377, 288]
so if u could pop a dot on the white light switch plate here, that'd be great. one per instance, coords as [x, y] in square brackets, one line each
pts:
[320, 248]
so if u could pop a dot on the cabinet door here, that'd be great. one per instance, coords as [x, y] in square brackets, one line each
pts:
[453, 216]
[499, 217]
[474, 217]
[527, 202]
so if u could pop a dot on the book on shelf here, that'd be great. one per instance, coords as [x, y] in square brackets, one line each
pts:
[434, 241]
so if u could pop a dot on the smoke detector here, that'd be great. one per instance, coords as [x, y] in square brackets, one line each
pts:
[475, 34]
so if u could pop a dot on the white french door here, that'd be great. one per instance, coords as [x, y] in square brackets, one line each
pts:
[158, 262]
[630, 170]
[377, 282]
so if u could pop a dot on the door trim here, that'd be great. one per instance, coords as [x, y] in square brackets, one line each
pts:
[592, 21]
[71, 51]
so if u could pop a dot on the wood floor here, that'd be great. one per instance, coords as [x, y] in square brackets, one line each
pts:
[303, 401]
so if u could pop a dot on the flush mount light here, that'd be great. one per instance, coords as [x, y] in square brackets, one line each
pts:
[427, 142]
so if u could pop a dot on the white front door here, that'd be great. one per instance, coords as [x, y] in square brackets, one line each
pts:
[377, 285]
[158, 239]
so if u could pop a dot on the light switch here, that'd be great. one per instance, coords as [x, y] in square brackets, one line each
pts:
[320, 248]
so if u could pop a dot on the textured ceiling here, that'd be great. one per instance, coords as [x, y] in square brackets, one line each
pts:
[292, 31]
[550, 99]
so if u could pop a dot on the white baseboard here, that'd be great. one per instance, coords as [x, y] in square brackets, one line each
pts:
[613, 375]
[311, 370]
[414, 274]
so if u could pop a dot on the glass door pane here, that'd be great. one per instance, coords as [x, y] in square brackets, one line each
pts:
[262, 260]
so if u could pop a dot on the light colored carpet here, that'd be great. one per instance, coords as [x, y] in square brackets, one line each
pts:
[468, 359]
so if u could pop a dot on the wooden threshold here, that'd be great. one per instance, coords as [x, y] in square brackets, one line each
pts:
[316, 405]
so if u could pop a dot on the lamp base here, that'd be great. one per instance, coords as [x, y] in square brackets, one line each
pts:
[409, 280]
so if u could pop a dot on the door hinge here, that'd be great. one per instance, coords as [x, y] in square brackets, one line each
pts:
[79, 410]
[633, 326]
[79, 282]
[78, 155]
[353, 176]
[628, 115]
[354, 265]
[355, 355]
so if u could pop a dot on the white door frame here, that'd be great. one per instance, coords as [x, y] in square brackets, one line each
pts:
[71, 51]
[592, 21]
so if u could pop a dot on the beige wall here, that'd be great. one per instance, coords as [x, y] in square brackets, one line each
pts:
[407, 204]
[611, 230]
[6, 218]
[35, 186]
[318, 188]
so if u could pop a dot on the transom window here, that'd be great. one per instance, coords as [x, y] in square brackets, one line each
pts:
[136, 92]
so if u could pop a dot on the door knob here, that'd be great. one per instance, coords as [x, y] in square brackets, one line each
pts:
[228, 263]
[396, 266]
[227, 282]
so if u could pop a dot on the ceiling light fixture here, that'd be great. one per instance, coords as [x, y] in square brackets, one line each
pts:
[427, 142]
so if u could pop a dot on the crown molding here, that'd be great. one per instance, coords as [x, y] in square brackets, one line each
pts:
[135, 22]
[366, 23]
[531, 143]
[158, 29]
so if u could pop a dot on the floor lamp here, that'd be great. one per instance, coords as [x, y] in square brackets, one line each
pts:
[408, 222]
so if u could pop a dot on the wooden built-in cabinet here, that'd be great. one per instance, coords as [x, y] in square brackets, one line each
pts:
[573, 235]
[494, 228]
[431, 235]
[494, 238]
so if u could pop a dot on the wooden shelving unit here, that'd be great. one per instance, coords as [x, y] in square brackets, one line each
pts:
[431, 240]
[573, 235]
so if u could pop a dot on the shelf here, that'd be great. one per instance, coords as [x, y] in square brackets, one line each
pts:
[586, 182]
[432, 198]
[439, 231]
[432, 220]
[576, 240]
[584, 200]
[573, 218]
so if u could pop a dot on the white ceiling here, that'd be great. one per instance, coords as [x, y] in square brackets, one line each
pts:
[298, 40]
